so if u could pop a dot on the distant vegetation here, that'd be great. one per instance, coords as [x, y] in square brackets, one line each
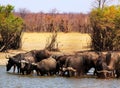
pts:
[54, 21]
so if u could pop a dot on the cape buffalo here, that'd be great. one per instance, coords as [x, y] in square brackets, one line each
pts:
[90, 59]
[32, 56]
[60, 58]
[113, 59]
[46, 66]
[101, 67]
[70, 71]
[14, 61]
[108, 65]
[25, 65]
[76, 62]
[82, 62]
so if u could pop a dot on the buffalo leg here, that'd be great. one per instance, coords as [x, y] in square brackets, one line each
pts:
[117, 73]
[14, 68]
[18, 69]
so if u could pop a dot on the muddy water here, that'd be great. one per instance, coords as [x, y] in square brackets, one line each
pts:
[10, 80]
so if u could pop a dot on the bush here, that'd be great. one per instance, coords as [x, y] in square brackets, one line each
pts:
[52, 44]
[10, 29]
[106, 28]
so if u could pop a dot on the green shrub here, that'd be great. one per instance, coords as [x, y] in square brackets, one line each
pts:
[106, 28]
[10, 29]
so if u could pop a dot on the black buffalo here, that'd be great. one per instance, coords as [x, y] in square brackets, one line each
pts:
[113, 61]
[46, 66]
[101, 67]
[82, 62]
[32, 56]
[14, 61]
[75, 62]
[108, 65]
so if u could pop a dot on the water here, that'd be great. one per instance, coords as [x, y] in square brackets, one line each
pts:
[10, 80]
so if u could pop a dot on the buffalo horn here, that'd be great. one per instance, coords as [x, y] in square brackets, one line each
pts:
[104, 71]
[7, 56]
[34, 64]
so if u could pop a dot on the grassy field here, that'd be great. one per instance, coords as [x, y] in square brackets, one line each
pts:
[68, 42]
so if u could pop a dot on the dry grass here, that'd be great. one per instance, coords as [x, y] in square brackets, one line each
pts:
[68, 42]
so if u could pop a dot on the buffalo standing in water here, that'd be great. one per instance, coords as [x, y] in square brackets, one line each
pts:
[108, 65]
[14, 61]
[46, 66]
[101, 67]
[81, 63]
[113, 61]
[30, 57]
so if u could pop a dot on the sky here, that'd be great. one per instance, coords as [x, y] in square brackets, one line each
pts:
[75, 6]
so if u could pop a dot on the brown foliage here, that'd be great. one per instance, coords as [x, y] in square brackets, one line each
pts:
[49, 22]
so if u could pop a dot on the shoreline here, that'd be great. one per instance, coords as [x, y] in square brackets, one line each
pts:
[3, 62]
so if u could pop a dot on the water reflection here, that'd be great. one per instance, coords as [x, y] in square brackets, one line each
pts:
[10, 80]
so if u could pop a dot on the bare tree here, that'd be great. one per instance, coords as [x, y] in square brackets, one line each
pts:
[52, 44]
[101, 3]
[23, 12]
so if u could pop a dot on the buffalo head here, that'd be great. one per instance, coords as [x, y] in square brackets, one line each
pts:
[101, 67]
[9, 64]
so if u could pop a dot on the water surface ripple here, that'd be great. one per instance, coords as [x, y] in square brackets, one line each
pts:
[10, 80]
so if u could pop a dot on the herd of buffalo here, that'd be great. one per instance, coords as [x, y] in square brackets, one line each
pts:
[43, 62]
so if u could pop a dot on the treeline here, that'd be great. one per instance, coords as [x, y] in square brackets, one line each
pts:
[61, 22]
